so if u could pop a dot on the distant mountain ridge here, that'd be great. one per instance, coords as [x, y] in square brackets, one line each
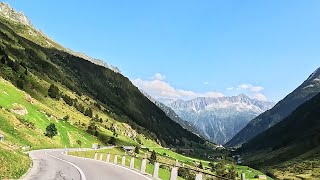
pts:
[172, 115]
[219, 119]
[281, 110]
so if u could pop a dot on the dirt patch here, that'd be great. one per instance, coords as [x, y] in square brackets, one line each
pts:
[19, 109]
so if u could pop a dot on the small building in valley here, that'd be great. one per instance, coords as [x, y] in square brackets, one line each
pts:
[128, 149]
[1, 137]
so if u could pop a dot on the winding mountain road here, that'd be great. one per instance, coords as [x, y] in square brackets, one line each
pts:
[54, 165]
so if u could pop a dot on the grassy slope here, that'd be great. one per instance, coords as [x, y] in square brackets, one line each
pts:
[18, 134]
[8, 161]
[291, 147]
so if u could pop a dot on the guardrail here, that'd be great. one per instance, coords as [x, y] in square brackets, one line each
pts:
[200, 174]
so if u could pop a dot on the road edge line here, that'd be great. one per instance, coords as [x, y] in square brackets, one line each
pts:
[136, 172]
[82, 176]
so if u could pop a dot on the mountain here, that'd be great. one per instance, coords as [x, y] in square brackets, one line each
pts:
[24, 27]
[33, 62]
[172, 115]
[285, 107]
[295, 140]
[219, 119]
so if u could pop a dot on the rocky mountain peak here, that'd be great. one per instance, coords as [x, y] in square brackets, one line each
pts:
[7, 11]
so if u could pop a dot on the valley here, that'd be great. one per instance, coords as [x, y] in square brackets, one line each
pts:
[67, 115]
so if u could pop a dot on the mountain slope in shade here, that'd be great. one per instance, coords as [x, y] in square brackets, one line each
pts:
[295, 139]
[219, 119]
[285, 107]
[172, 115]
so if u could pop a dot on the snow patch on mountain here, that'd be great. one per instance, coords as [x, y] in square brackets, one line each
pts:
[219, 119]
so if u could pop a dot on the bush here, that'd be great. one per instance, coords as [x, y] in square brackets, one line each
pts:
[68, 100]
[66, 118]
[88, 112]
[153, 157]
[137, 150]
[185, 174]
[79, 143]
[51, 130]
[113, 141]
[54, 92]
[201, 165]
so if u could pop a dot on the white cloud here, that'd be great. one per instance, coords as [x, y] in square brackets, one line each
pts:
[255, 92]
[250, 87]
[159, 77]
[206, 83]
[230, 88]
[159, 88]
[260, 97]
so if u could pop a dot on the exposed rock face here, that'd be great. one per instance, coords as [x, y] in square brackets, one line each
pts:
[8, 12]
[219, 119]
[172, 115]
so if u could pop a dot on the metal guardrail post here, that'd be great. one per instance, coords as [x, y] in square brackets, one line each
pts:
[108, 158]
[199, 176]
[123, 163]
[132, 163]
[174, 173]
[156, 170]
[101, 156]
[115, 161]
[243, 176]
[143, 166]
[95, 156]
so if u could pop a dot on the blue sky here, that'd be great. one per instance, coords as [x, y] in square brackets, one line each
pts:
[188, 48]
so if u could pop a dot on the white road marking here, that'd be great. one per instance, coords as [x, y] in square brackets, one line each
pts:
[82, 176]
[113, 165]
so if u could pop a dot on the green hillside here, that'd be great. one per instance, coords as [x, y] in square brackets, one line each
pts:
[290, 149]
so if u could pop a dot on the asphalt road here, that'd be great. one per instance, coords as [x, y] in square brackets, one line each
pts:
[53, 165]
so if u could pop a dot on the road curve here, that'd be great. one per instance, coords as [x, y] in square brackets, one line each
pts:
[54, 165]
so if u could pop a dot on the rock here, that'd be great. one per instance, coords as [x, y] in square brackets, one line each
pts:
[19, 109]
[8, 12]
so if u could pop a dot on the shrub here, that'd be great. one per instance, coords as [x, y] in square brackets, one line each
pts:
[113, 141]
[137, 150]
[88, 112]
[185, 174]
[153, 157]
[54, 92]
[68, 100]
[51, 130]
